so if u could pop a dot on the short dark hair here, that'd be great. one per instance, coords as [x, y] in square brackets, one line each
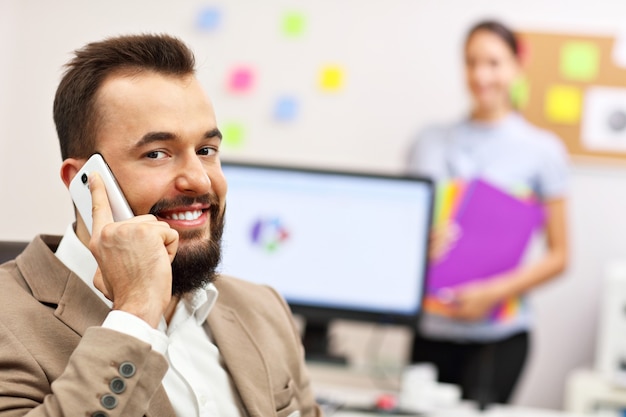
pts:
[499, 29]
[75, 112]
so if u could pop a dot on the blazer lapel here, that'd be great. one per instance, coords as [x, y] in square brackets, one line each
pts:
[79, 308]
[52, 283]
[243, 360]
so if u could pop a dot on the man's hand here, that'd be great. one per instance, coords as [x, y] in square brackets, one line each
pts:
[134, 258]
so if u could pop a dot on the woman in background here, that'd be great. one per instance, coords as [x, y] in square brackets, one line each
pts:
[496, 144]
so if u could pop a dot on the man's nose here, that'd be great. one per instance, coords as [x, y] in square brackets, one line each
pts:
[193, 177]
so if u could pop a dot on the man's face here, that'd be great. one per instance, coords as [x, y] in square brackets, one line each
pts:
[159, 136]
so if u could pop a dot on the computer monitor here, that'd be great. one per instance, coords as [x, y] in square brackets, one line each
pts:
[335, 245]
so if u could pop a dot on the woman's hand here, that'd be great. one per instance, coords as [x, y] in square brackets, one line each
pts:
[474, 301]
[443, 237]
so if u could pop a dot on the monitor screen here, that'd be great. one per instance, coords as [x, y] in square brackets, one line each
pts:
[339, 245]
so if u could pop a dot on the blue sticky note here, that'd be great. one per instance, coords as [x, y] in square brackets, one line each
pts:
[286, 108]
[209, 18]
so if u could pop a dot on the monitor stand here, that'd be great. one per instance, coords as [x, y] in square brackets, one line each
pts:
[316, 343]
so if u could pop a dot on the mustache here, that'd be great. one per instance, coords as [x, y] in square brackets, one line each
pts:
[183, 200]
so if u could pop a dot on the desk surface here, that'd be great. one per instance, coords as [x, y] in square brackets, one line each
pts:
[361, 387]
[499, 411]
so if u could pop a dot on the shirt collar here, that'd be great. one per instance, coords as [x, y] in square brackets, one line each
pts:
[76, 257]
[200, 302]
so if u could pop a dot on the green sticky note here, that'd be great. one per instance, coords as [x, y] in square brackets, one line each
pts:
[520, 93]
[294, 24]
[233, 135]
[580, 60]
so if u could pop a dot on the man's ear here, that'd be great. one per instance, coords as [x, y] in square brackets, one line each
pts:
[69, 168]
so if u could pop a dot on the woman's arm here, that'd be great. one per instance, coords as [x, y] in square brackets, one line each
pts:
[474, 301]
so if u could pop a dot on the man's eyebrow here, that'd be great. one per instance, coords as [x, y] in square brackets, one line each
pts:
[213, 133]
[151, 137]
[154, 137]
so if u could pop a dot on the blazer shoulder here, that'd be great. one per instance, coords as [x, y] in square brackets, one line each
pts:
[257, 304]
[232, 289]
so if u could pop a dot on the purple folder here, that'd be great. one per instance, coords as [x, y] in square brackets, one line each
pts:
[496, 228]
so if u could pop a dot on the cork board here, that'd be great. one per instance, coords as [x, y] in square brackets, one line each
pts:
[575, 86]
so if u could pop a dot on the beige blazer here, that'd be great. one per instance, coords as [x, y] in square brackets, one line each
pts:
[56, 360]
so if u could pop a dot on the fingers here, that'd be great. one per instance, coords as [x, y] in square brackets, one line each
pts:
[170, 240]
[100, 208]
[100, 284]
[134, 258]
[443, 238]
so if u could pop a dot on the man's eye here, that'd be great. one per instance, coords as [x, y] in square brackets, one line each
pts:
[155, 155]
[206, 151]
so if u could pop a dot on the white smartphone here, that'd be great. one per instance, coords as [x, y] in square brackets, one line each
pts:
[79, 190]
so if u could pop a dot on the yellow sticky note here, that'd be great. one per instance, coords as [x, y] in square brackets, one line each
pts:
[563, 104]
[579, 61]
[331, 78]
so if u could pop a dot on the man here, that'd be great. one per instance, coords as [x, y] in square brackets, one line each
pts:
[117, 323]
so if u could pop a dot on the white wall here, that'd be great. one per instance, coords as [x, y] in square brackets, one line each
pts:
[404, 65]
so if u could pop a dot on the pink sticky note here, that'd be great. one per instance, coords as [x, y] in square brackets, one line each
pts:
[241, 80]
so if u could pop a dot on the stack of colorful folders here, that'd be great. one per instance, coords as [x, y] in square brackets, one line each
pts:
[495, 228]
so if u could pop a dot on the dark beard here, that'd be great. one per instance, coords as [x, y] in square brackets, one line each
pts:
[195, 264]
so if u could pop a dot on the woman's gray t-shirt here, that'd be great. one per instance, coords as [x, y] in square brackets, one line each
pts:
[510, 154]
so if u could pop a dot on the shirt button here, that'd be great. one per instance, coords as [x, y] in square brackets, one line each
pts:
[117, 385]
[127, 369]
[108, 401]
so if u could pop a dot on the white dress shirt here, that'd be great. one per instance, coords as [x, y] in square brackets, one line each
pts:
[196, 382]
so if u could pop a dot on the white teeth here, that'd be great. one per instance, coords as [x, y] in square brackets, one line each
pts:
[188, 215]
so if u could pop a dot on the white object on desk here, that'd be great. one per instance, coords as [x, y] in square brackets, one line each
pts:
[420, 391]
[587, 392]
[611, 347]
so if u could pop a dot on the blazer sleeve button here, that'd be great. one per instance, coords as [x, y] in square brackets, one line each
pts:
[99, 414]
[127, 369]
[117, 385]
[108, 401]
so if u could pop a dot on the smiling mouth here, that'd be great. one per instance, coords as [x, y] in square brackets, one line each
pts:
[183, 215]
[187, 215]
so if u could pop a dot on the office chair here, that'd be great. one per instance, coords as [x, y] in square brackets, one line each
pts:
[9, 250]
